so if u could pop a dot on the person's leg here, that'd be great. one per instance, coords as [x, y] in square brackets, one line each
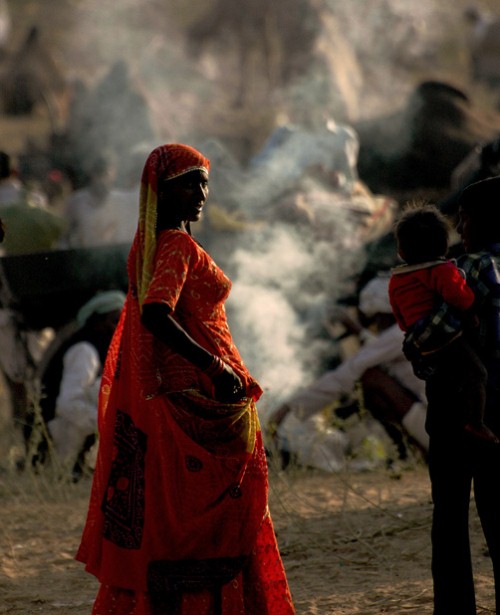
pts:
[397, 400]
[451, 558]
[450, 471]
[486, 481]
[388, 402]
[487, 496]
[472, 375]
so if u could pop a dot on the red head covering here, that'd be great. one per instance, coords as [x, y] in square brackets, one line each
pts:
[165, 162]
[168, 161]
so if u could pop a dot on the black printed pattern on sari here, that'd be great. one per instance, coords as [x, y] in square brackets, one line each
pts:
[123, 505]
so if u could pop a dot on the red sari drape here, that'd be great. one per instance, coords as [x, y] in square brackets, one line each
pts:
[178, 519]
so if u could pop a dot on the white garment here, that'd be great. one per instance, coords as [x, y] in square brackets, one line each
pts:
[414, 423]
[315, 443]
[76, 405]
[383, 350]
[306, 431]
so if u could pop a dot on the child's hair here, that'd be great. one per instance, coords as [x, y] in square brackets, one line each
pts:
[422, 233]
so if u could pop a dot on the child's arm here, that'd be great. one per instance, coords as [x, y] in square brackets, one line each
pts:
[483, 275]
[452, 287]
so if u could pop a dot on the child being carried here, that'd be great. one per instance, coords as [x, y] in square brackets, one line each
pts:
[417, 289]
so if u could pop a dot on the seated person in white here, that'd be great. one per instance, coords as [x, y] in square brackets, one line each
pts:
[392, 393]
[73, 379]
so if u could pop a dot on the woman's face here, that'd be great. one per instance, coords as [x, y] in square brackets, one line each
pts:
[182, 199]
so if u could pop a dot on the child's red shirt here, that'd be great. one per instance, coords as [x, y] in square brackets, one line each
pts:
[415, 291]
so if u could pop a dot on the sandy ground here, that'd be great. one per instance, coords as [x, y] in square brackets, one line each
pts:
[351, 544]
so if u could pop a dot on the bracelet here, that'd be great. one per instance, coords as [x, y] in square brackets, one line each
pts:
[216, 367]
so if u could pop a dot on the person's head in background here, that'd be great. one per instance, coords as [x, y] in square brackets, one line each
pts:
[98, 317]
[479, 214]
[422, 233]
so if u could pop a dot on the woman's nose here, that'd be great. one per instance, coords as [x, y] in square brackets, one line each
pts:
[202, 191]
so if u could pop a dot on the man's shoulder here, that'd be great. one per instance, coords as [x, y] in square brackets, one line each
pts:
[478, 260]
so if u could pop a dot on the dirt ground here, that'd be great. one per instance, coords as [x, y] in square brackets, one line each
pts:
[351, 544]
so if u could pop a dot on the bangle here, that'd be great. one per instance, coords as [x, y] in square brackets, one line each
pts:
[216, 367]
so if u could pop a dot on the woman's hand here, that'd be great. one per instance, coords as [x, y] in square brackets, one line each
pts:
[228, 386]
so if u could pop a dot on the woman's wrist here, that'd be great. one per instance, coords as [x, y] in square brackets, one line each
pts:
[215, 368]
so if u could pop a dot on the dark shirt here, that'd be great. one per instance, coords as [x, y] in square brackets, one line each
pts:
[482, 271]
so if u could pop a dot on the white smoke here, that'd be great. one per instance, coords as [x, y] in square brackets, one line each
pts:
[286, 283]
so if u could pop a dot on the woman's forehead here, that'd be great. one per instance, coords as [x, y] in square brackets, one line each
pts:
[189, 176]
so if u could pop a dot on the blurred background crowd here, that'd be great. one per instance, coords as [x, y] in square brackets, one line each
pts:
[321, 122]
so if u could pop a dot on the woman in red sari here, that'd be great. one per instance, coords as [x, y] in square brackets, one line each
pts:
[178, 522]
